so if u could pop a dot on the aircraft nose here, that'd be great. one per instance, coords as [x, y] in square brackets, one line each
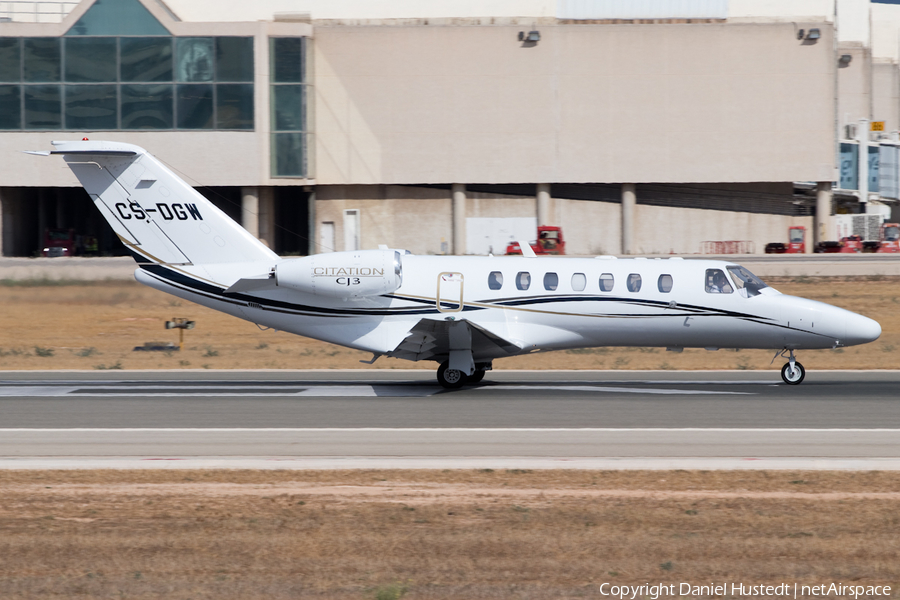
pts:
[861, 330]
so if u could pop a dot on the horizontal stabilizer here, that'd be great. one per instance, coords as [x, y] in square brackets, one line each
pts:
[252, 284]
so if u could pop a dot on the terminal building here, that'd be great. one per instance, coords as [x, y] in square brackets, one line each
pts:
[647, 127]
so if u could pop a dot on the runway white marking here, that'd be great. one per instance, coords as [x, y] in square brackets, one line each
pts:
[617, 390]
[218, 391]
[455, 429]
[136, 389]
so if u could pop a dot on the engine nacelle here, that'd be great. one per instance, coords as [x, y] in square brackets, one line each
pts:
[354, 274]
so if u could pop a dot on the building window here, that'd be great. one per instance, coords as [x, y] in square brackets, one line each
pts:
[90, 60]
[287, 57]
[145, 60]
[82, 82]
[147, 107]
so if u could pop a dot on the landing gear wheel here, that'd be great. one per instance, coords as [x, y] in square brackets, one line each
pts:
[795, 377]
[477, 376]
[451, 379]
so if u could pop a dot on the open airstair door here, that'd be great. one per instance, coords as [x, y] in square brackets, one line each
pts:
[449, 296]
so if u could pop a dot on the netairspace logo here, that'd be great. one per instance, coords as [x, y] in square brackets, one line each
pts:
[782, 590]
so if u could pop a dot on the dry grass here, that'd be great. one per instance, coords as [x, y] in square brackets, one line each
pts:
[435, 535]
[96, 326]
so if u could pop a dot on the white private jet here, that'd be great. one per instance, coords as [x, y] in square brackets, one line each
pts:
[460, 311]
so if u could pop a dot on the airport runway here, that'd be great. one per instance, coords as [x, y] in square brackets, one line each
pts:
[401, 418]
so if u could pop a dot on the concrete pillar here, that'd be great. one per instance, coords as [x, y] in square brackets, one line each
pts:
[459, 218]
[3, 244]
[543, 204]
[266, 216]
[823, 214]
[629, 199]
[250, 209]
[862, 136]
[42, 217]
[61, 222]
[313, 230]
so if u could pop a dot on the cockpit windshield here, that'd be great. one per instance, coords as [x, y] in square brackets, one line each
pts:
[746, 282]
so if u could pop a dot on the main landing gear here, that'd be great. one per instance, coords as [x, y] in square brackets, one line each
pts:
[792, 372]
[452, 379]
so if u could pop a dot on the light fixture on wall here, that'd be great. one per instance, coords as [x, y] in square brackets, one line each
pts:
[813, 34]
[844, 60]
[532, 37]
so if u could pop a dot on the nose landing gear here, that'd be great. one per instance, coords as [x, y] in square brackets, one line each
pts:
[792, 373]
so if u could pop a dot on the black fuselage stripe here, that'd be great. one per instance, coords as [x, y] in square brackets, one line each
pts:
[192, 285]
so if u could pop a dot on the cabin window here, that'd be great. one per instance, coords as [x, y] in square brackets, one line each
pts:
[523, 280]
[579, 282]
[664, 283]
[551, 281]
[717, 283]
[634, 282]
[495, 280]
[607, 281]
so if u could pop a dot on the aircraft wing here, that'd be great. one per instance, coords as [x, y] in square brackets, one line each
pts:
[430, 340]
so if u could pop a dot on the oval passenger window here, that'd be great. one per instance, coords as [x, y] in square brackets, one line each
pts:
[634, 282]
[523, 280]
[551, 281]
[665, 283]
[607, 281]
[579, 282]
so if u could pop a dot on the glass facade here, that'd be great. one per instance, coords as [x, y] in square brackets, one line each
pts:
[91, 83]
[289, 93]
[117, 17]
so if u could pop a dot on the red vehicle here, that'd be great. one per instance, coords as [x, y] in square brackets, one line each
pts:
[550, 241]
[796, 242]
[851, 244]
[59, 242]
[890, 238]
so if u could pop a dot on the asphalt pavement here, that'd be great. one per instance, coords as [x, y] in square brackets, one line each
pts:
[402, 418]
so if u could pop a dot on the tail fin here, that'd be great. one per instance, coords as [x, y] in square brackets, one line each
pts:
[159, 217]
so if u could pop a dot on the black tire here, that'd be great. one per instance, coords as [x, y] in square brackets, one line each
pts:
[477, 376]
[795, 379]
[450, 379]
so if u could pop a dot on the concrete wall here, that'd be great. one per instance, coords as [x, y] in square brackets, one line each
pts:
[854, 86]
[886, 94]
[588, 103]
[417, 219]
[200, 158]
[666, 230]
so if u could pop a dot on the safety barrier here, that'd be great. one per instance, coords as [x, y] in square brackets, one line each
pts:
[729, 247]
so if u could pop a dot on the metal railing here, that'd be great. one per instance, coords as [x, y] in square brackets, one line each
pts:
[36, 11]
[728, 247]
